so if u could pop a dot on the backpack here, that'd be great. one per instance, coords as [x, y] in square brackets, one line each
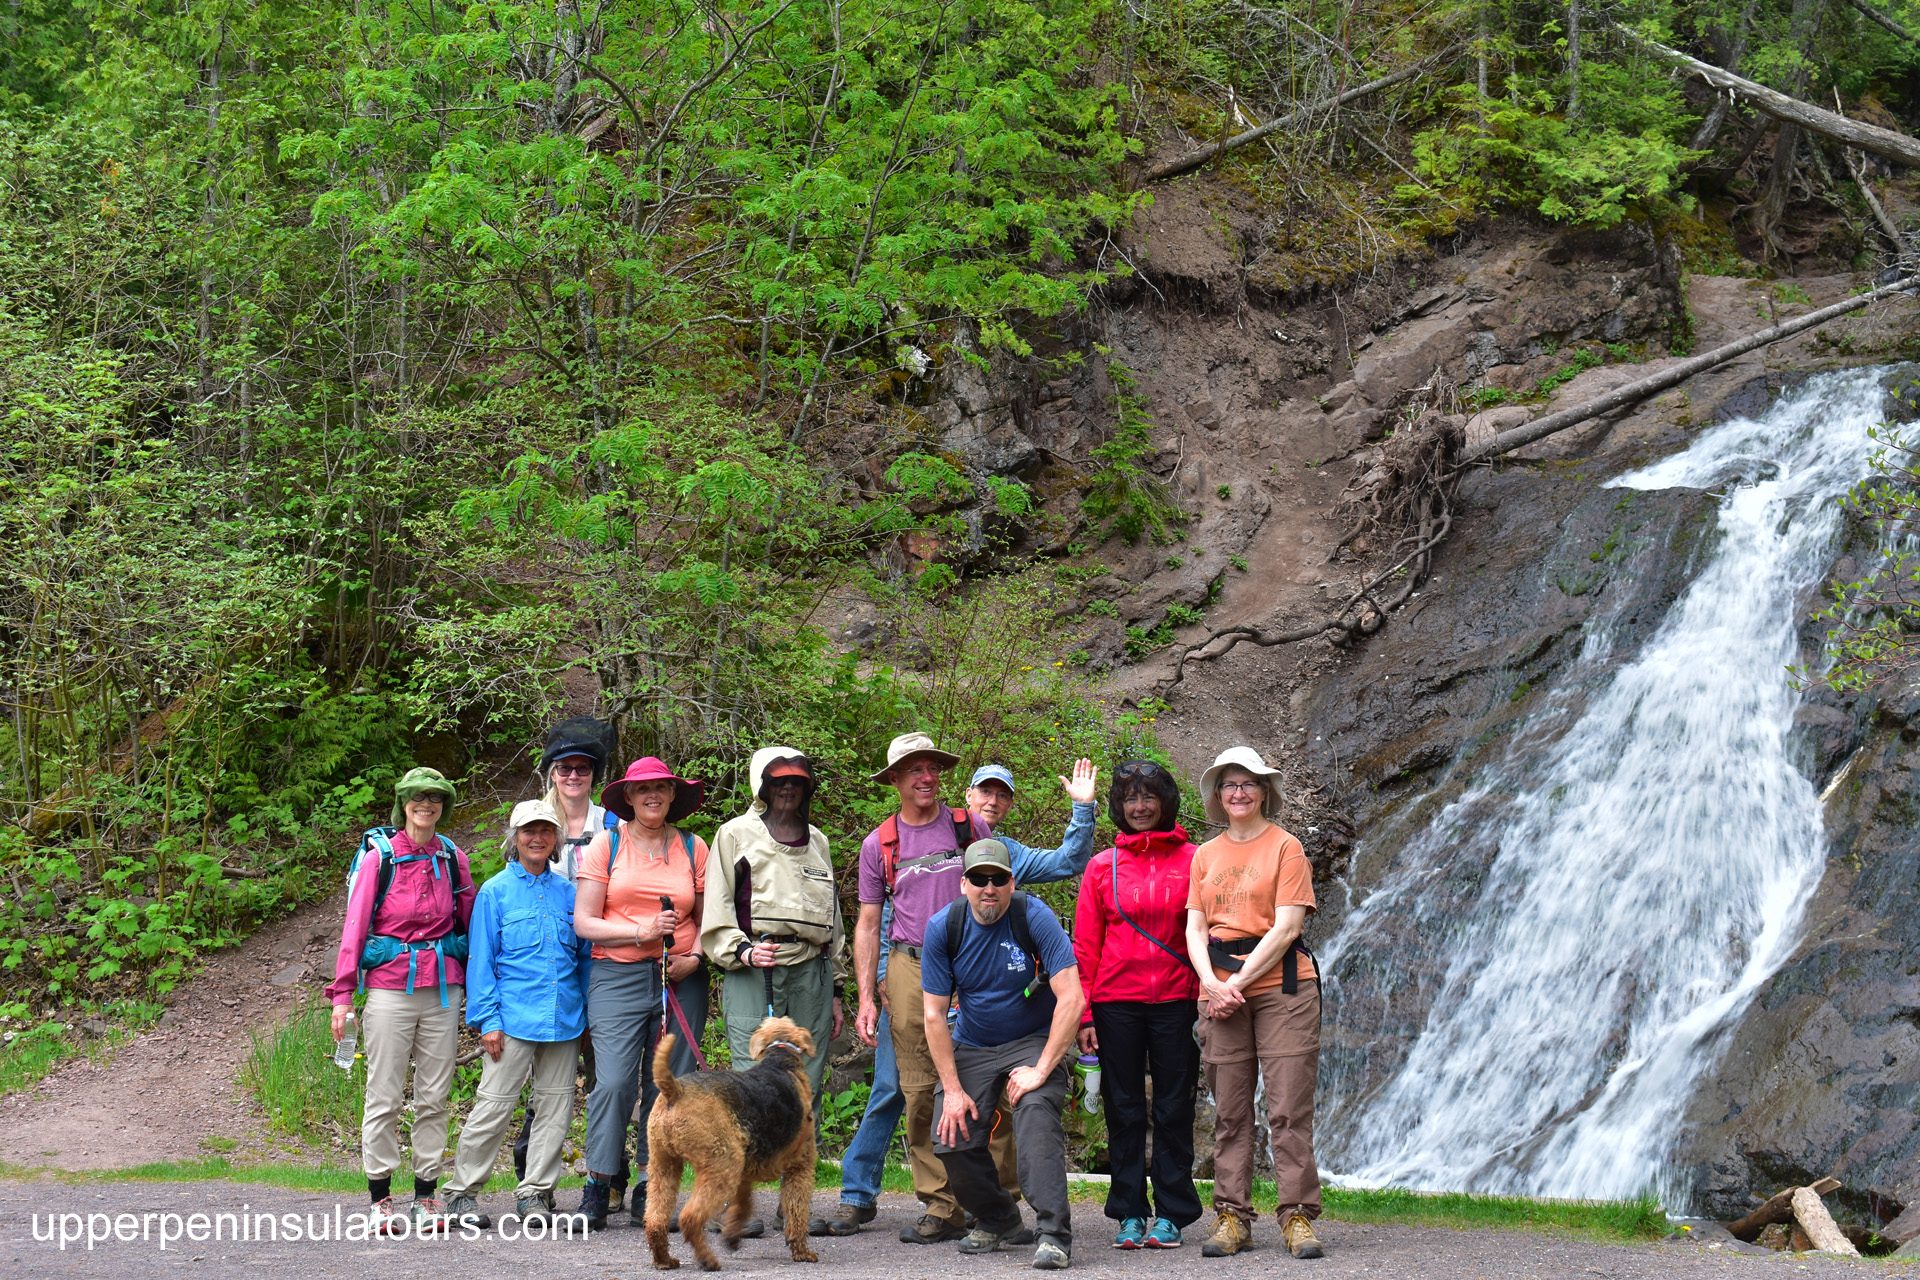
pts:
[890, 864]
[958, 914]
[379, 948]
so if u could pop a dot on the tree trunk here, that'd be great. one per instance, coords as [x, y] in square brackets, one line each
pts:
[1573, 59]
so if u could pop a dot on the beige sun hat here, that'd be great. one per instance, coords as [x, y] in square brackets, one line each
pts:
[1246, 758]
[913, 744]
[523, 813]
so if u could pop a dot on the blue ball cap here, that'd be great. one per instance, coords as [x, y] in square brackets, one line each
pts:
[992, 773]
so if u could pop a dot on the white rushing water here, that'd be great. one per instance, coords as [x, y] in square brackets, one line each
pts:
[1646, 870]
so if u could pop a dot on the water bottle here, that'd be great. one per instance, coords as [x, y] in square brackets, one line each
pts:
[1089, 1068]
[343, 1048]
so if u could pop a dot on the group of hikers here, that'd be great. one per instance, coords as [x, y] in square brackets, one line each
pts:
[598, 936]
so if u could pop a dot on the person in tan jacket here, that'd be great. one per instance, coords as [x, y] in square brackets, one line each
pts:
[772, 917]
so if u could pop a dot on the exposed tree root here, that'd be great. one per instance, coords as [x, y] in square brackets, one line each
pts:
[1407, 489]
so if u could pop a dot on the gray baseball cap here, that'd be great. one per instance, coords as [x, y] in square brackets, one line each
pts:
[986, 853]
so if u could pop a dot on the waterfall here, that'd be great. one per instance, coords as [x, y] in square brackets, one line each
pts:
[1644, 870]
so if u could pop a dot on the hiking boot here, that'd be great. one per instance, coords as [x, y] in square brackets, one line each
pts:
[464, 1209]
[1298, 1233]
[429, 1215]
[1230, 1236]
[932, 1230]
[849, 1219]
[754, 1229]
[1051, 1255]
[1132, 1233]
[1163, 1235]
[594, 1197]
[532, 1209]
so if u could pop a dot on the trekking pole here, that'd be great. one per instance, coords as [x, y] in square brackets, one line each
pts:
[666, 969]
[767, 974]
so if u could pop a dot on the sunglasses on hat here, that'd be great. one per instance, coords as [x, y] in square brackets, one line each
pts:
[981, 879]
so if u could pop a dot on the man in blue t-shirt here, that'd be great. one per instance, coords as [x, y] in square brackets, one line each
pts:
[1014, 1033]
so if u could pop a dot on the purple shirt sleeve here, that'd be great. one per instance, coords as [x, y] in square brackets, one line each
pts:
[873, 886]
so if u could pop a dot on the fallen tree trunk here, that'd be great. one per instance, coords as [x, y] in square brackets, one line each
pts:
[1819, 1224]
[1633, 392]
[1881, 18]
[1194, 159]
[1778, 1209]
[1897, 147]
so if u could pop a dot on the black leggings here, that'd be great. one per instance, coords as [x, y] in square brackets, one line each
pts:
[1137, 1038]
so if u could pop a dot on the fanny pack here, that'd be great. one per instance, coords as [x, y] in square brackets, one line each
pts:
[1226, 952]
[381, 949]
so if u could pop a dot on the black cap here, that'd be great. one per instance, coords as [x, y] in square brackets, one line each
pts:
[580, 736]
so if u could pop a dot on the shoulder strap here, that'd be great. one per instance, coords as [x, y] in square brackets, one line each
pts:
[686, 838]
[956, 930]
[1023, 937]
[613, 850]
[962, 829]
[889, 851]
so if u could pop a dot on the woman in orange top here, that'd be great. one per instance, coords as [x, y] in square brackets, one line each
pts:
[625, 882]
[1247, 901]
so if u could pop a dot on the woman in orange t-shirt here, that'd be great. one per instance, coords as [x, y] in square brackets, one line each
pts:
[1247, 901]
[625, 881]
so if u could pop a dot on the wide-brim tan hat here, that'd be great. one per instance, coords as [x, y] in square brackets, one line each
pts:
[1245, 758]
[913, 744]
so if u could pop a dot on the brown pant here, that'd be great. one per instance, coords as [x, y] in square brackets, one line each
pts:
[906, 1012]
[1278, 1036]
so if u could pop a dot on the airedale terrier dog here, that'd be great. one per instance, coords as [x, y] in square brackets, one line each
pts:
[735, 1128]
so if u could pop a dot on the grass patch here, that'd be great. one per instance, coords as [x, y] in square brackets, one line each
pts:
[1640, 1219]
[27, 1058]
[291, 1072]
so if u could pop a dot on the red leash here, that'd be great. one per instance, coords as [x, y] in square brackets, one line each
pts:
[693, 1041]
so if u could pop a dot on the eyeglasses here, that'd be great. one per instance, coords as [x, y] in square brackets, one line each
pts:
[1241, 788]
[981, 879]
[564, 770]
[1137, 769]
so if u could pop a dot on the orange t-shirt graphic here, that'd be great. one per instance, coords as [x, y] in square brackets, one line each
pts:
[1241, 885]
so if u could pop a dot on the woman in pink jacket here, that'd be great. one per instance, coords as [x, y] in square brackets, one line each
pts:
[1128, 932]
[405, 937]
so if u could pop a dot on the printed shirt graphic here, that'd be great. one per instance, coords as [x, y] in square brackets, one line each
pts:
[992, 973]
[1240, 887]
[922, 892]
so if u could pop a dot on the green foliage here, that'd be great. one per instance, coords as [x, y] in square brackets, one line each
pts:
[840, 1115]
[1123, 493]
[1872, 622]
[291, 1073]
[1612, 1220]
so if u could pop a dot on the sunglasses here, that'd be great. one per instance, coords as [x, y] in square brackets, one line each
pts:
[981, 879]
[571, 770]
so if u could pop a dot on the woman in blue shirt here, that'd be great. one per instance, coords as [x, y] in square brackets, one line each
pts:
[527, 995]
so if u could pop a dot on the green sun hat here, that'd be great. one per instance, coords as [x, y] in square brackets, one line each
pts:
[417, 782]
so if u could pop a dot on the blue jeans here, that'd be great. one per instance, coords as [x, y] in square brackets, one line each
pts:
[866, 1156]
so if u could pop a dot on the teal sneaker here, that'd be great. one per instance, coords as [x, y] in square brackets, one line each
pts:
[1162, 1235]
[1132, 1235]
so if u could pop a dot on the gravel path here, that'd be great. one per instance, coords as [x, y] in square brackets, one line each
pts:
[1371, 1251]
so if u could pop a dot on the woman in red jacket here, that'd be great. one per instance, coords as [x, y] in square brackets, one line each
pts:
[1128, 930]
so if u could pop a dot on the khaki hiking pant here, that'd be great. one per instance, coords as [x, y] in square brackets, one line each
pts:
[802, 992]
[551, 1064]
[402, 1029]
[1277, 1036]
[918, 1080]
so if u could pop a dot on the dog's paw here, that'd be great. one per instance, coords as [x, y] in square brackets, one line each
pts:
[732, 1243]
[805, 1255]
[710, 1266]
[666, 1264]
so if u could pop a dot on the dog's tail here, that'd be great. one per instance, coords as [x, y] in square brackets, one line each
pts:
[663, 1071]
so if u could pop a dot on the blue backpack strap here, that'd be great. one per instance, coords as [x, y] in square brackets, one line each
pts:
[613, 850]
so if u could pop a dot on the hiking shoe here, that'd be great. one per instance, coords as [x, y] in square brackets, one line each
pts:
[754, 1229]
[617, 1198]
[1132, 1233]
[428, 1214]
[464, 1209]
[1163, 1235]
[932, 1230]
[1230, 1236]
[849, 1219]
[986, 1240]
[382, 1217]
[1051, 1255]
[594, 1197]
[532, 1209]
[1298, 1233]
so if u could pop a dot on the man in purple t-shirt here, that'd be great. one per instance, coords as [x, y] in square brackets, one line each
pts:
[921, 846]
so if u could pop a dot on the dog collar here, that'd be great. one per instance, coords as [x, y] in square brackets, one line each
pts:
[786, 1044]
